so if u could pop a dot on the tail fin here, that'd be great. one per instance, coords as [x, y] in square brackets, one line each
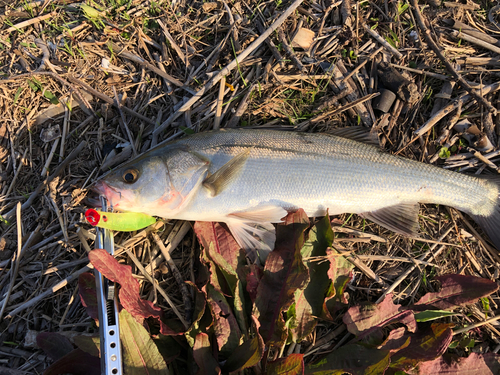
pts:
[491, 223]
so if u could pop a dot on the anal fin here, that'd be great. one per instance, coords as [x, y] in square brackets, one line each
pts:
[402, 218]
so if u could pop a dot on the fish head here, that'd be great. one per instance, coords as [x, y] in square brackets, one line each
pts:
[159, 183]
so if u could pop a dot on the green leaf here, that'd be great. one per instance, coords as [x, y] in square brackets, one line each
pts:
[467, 343]
[186, 130]
[168, 347]
[309, 301]
[52, 98]
[89, 344]
[353, 359]
[246, 355]
[18, 92]
[444, 153]
[486, 304]
[428, 315]
[33, 85]
[90, 12]
[291, 365]
[140, 354]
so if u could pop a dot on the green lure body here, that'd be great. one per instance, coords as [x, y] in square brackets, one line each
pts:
[123, 222]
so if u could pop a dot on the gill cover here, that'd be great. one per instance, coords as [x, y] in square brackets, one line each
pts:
[159, 183]
[186, 171]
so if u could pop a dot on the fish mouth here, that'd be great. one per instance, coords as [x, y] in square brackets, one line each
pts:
[111, 195]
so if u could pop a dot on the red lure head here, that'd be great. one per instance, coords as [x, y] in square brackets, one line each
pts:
[92, 216]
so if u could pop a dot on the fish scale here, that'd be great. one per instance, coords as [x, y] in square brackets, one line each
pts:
[338, 172]
[276, 172]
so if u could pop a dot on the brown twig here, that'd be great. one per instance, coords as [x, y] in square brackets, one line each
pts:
[76, 152]
[49, 291]
[107, 99]
[57, 77]
[225, 71]
[382, 41]
[452, 106]
[29, 22]
[139, 60]
[289, 50]
[432, 44]
[124, 122]
[188, 304]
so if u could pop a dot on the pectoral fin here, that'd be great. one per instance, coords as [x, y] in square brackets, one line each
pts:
[226, 174]
[402, 219]
[260, 214]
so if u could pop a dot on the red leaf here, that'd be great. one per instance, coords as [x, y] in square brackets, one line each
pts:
[76, 362]
[364, 319]
[484, 364]
[202, 354]
[129, 291]
[456, 290]
[291, 365]
[425, 345]
[253, 273]
[284, 273]
[54, 345]
[396, 340]
[226, 329]
[340, 273]
[88, 295]
[219, 235]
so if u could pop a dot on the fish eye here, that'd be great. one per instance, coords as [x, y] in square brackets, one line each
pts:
[130, 175]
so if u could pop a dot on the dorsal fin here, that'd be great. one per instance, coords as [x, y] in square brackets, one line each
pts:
[357, 133]
[226, 174]
[402, 218]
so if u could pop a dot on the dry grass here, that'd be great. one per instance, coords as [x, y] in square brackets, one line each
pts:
[124, 55]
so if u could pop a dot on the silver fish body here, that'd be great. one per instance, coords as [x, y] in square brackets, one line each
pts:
[283, 171]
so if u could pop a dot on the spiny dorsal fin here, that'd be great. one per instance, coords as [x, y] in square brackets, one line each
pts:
[402, 219]
[218, 181]
[357, 133]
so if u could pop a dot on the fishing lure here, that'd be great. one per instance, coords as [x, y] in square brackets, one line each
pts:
[123, 222]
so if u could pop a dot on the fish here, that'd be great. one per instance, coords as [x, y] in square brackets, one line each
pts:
[251, 179]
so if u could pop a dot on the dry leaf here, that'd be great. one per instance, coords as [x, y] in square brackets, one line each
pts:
[304, 38]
